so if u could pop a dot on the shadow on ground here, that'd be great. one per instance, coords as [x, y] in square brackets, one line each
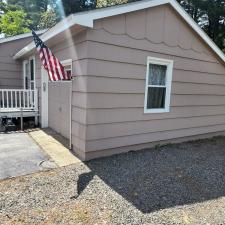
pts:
[164, 177]
[58, 137]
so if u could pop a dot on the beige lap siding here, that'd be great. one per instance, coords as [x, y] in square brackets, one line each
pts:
[112, 94]
[10, 69]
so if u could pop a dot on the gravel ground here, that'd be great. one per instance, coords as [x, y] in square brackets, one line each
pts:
[173, 184]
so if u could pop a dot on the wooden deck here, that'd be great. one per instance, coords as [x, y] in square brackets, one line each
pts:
[18, 102]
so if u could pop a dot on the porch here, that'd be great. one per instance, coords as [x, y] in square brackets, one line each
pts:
[18, 103]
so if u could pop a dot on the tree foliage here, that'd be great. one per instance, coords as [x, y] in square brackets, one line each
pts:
[105, 3]
[47, 19]
[34, 9]
[210, 15]
[67, 7]
[14, 22]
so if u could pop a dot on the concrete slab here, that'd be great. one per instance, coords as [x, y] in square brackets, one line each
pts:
[19, 155]
[53, 145]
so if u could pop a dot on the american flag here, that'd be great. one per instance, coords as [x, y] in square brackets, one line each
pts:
[55, 69]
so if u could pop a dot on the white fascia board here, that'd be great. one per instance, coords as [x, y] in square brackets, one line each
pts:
[58, 28]
[87, 19]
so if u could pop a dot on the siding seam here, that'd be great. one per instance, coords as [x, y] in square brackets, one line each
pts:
[157, 52]
[143, 64]
[137, 121]
[79, 107]
[151, 132]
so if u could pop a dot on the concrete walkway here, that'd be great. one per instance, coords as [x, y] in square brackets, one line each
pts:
[54, 145]
[19, 155]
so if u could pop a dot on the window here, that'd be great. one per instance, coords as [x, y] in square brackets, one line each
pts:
[26, 73]
[32, 81]
[158, 85]
[29, 73]
[67, 64]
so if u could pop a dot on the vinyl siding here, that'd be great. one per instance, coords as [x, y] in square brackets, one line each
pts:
[10, 69]
[113, 94]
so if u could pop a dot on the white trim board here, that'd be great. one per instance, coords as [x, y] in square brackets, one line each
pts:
[44, 98]
[29, 72]
[86, 19]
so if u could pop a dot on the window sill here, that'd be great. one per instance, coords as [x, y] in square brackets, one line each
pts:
[149, 111]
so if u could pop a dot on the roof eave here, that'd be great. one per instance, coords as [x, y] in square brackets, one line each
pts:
[60, 27]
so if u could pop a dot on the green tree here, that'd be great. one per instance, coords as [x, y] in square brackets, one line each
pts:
[48, 19]
[210, 15]
[14, 22]
[66, 7]
[105, 3]
[4, 7]
[33, 8]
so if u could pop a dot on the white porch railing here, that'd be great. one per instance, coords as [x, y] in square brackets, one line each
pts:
[18, 99]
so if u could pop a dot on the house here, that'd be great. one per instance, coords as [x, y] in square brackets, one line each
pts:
[144, 74]
[11, 79]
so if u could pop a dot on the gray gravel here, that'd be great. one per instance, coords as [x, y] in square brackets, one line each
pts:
[173, 184]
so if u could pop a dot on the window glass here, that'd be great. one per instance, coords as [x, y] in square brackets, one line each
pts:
[156, 98]
[32, 69]
[27, 68]
[158, 85]
[32, 85]
[157, 74]
[68, 69]
[156, 95]
[26, 83]
[26, 74]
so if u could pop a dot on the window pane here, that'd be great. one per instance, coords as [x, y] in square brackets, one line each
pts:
[32, 69]
[69, 73]
[32, 85]
[157, 74]
[27, 69]
[26, 83]
[68, 69]
[156, 98]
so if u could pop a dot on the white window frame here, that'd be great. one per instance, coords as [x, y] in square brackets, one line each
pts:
[34, 81]
[168, 84]
[67, 62]
[24, 71]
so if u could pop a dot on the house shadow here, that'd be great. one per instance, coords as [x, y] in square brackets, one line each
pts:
[58, 137]
[165, 177]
